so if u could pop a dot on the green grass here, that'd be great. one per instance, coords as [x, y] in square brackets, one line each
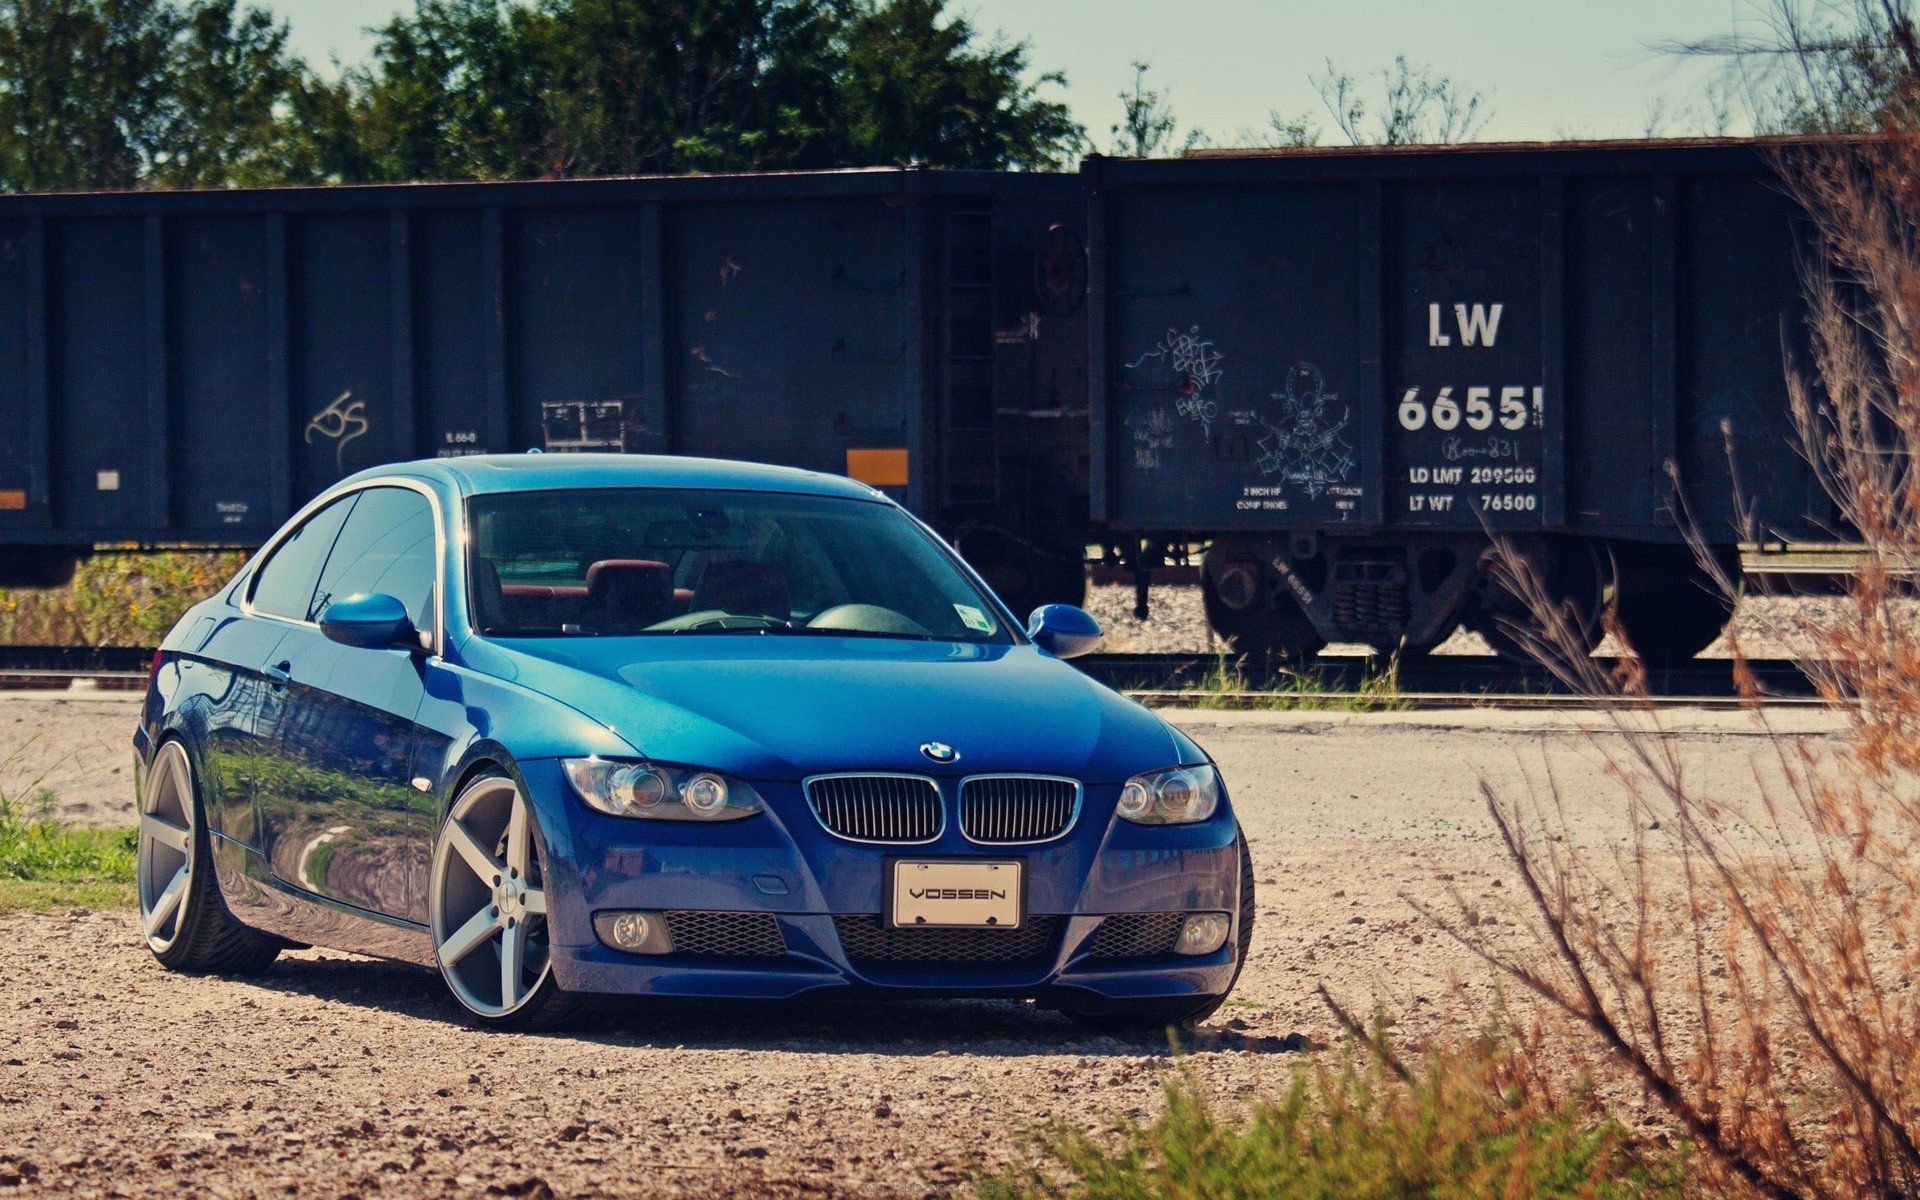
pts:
[47, 864]
[1458, 1126]
[1226, 686]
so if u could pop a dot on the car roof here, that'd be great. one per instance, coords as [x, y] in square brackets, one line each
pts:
[481, 474]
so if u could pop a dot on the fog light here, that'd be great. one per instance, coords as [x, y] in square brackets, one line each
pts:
[634, 932]
[1203, 933]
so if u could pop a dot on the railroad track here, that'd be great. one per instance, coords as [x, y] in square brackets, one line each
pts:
[1435, 681]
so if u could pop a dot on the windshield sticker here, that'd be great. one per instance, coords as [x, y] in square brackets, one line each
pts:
[973, 618]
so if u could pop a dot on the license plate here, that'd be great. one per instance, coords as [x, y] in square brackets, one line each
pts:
[970, 893]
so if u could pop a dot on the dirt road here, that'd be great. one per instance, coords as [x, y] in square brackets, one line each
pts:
[335, 1076]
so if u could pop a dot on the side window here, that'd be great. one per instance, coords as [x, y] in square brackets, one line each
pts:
[284, 586]
[387, 546]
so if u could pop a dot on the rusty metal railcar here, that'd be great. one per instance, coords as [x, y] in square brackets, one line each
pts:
[191, 367]
[1345, 368]
[1337, 369]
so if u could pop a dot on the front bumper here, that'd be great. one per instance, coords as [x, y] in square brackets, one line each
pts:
[784, 864]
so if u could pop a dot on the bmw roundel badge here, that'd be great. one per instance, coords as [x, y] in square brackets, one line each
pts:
[939, 752]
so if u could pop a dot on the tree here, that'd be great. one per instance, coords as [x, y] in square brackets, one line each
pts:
[1146, 126]
[916, 86]
[471, 89]
[1416, 107]
[1817, 66]
[119, 93]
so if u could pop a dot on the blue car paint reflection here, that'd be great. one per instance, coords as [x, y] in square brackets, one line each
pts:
[325, 770]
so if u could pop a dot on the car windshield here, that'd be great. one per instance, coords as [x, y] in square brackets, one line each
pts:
[622, 562]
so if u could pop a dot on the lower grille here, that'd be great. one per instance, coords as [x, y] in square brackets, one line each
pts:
[878, 808]
[867, 939]
[1137, 935]
[726, 934]
[1009, 809]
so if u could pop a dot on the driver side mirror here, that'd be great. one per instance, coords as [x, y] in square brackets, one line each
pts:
[371, 621]
[1063, 630]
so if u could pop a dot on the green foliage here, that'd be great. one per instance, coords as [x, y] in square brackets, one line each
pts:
[47, 864]
[205, 93]
[1226, 686]
[1459, 1127]
[117, 598]
[479, 89]
[119, 93]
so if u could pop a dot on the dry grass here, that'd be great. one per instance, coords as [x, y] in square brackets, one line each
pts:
[1766, 1002]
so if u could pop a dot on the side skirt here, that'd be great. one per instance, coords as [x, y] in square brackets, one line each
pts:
[258, 899]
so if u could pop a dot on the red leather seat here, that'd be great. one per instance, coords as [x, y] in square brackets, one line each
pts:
[626, 595]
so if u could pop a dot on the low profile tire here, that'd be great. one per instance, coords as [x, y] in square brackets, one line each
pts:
[1135, 1017]
[182, 914]
[488, 907]
[1281, 630]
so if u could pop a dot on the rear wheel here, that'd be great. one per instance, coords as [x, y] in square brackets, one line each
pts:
[182, 914]
[1185, 1012]
[1668, 606]
[1253, 612]
[489, 910]
[1566, 573]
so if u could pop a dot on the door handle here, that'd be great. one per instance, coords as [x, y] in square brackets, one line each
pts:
[281, 674]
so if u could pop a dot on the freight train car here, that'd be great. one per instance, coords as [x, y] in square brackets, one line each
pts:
[189, 368]
[1337, 370]
[1344, 369]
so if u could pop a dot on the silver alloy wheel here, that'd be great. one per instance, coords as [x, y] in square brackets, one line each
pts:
[489, 902]
[166, 847]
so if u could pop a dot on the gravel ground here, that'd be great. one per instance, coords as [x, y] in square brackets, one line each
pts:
[337, 1076]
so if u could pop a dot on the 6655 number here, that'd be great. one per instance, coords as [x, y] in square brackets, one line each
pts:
[1478, 412]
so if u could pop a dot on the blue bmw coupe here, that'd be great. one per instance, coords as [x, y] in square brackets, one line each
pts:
[575, 727]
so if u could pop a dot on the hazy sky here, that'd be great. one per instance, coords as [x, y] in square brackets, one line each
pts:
[1550, 67]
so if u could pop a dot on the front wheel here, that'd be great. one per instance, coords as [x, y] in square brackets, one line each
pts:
[489, 910]
[182, 914]
[1182, 1013]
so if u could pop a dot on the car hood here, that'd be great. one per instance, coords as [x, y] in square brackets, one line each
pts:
[769, 707]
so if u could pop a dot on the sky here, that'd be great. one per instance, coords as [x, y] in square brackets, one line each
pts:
[1549, 68]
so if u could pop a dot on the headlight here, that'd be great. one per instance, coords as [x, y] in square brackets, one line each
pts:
[658, 791]
[1175, 796]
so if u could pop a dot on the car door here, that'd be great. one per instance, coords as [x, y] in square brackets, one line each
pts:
[243, 692]
[348, 825]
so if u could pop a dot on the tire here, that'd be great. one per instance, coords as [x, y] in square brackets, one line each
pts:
[481, 917]
[1280, 631]
[1183, 1014]
[182, 914]
[1667, 606]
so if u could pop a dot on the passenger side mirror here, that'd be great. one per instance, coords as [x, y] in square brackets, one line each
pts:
[373, 621]
[1063, 630]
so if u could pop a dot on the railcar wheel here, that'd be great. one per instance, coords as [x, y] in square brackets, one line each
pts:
[1667, 605]
[1253, 618]
[182, 915]
[1570, 575]
[1187, 1012]
[489, 910]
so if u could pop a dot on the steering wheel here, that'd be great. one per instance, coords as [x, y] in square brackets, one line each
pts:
[715, 618]
[867, 618]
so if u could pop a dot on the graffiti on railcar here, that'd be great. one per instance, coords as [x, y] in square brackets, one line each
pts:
[1307, 446]
[341, 422]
